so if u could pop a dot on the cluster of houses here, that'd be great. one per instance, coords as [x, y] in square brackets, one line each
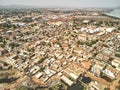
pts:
[46, 48]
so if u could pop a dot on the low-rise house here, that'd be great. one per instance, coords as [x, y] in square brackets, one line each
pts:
[86, 21]
[110, 72]
[103, 57]
[82, 37]
[72, 75]
[78, 51]
[54, 66]
[67, 80]
[64, 63]
[94, 85]
[47, 71]
[95, 14]
[53, 72]
[20, 24]
[107, 52]
[99, 56]
[116, 63]
[57, 23]
[46, 78]
[97, 68]
[38, 75]
[91, 31]
[110, 29]
[34, 69]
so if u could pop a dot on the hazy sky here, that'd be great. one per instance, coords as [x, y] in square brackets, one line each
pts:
[63, 3]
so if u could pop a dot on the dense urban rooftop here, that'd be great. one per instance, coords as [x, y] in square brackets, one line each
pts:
[57, 49]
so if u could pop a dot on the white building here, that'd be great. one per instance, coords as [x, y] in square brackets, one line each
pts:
[67, 81]
[38, 75]
[116, 63]
[110, 29]
[73, 76]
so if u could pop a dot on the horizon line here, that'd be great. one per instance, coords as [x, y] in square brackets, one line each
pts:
[37, 6]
